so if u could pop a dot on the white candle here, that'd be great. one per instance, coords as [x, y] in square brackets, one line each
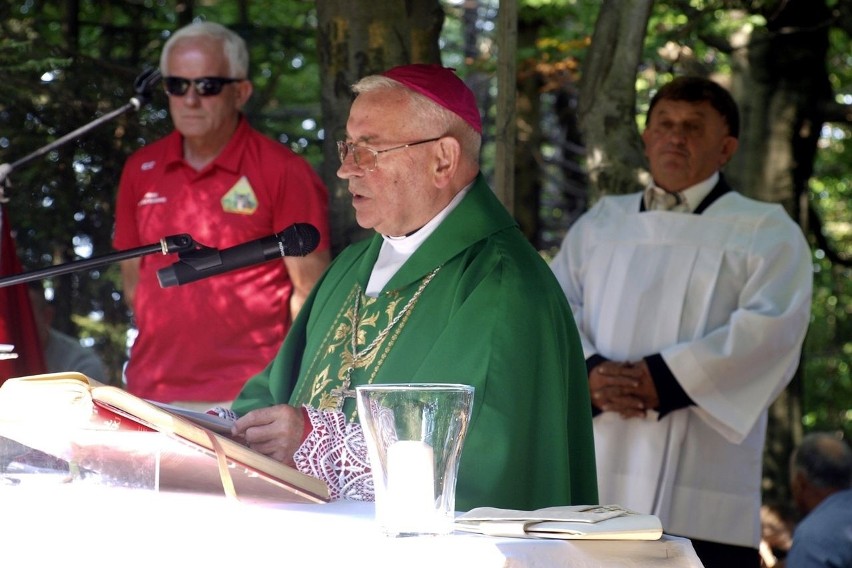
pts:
[411, 484]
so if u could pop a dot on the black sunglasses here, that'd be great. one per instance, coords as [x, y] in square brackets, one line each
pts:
[204, 86]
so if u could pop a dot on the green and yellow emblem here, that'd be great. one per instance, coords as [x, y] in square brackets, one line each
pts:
[240, 198]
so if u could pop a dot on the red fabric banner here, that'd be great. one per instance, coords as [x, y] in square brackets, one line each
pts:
[17, 323]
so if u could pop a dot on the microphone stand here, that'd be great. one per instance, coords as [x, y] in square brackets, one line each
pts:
[142, 85]
[167, 245]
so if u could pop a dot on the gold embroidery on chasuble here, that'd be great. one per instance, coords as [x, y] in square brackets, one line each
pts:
[354, 349]
[333, 360]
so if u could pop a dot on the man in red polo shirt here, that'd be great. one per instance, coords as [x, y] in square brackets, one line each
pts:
[223, 183]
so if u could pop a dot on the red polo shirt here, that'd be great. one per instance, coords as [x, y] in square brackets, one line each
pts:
[202, 340]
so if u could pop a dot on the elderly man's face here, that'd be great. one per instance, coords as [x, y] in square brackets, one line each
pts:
[685, 143]
[399, 196]
[209, 119]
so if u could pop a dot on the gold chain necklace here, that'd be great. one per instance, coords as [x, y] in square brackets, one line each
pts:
[343, 391]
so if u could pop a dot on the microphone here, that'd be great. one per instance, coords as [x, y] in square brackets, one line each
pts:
[298, 239]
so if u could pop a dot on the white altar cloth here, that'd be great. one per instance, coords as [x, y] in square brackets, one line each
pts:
[92, 527]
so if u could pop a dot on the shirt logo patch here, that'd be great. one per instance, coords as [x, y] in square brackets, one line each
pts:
[152, 198]
[148, 165]
[240, 198]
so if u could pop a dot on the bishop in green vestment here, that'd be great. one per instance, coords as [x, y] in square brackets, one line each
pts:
[472, 303]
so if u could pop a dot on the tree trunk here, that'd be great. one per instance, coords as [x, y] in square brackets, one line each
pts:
[607, 108]
[506, 126]
[527, 168]
[356, 39]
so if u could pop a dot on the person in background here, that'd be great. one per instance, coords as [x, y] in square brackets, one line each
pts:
[223, 183]
[821, 485]
[692, 303]
[448, 290]
[62, 352]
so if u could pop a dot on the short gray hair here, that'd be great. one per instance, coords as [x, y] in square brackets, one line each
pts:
[233, 46]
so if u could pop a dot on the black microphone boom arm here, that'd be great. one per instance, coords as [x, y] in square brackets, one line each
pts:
[167, 245]
[197, 261]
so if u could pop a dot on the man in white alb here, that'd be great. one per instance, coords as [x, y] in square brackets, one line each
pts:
[692, 303]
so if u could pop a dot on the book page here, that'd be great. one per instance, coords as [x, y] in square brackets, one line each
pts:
[218, 424]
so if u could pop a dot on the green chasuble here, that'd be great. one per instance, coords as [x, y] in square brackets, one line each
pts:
[492, 316]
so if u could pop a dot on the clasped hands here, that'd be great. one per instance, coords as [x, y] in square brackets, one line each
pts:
[623, 387]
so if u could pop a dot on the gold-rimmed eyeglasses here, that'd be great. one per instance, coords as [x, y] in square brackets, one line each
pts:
[366, 158]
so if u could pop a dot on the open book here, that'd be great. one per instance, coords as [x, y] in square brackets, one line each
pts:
[591, 522]
[97, 427]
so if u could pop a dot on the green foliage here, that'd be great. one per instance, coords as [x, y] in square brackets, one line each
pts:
[556, 14]
[828, 349]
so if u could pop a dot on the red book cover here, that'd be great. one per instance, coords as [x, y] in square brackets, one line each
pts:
[104, 418]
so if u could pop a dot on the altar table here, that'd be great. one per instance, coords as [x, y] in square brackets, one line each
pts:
[93, 527]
